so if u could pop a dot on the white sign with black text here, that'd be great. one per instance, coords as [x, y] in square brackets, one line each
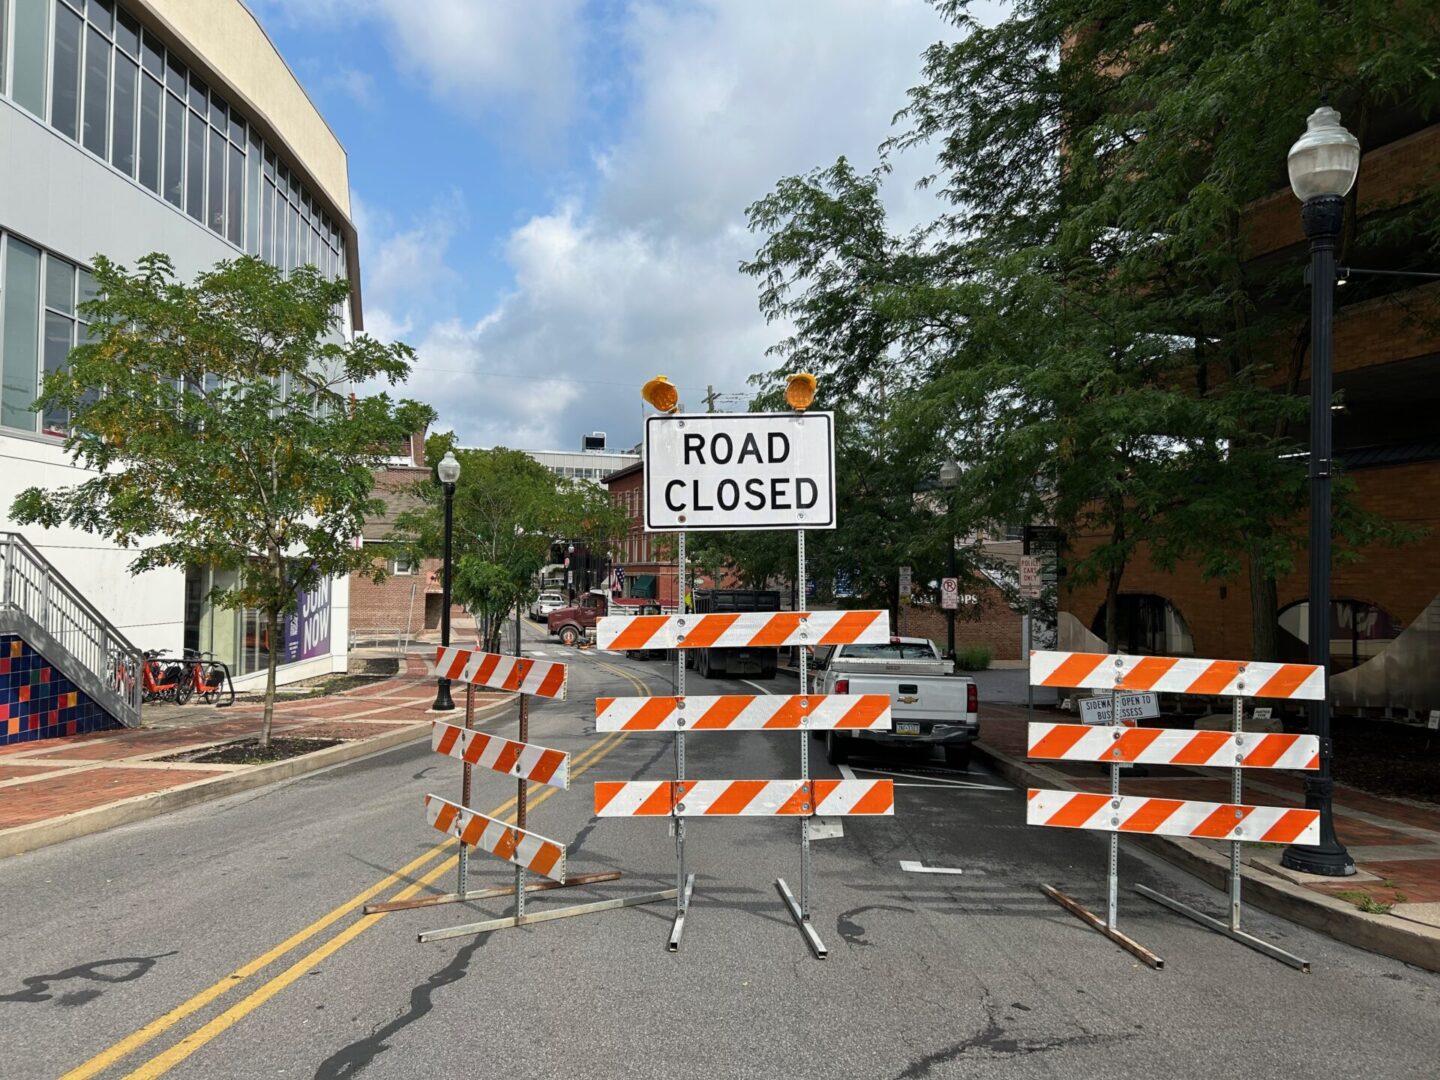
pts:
[740, 471]
[1096, 710]
[1434, 724]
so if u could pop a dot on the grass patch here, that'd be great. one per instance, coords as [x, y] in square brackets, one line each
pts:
[1367, 903]
[977, 659]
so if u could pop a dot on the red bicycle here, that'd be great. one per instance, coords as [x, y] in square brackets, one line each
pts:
[206, 676]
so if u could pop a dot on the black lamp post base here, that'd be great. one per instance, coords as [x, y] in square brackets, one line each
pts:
[443, 702]
[1321, 860]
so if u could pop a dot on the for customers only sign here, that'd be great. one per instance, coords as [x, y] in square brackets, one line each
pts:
[740, 471]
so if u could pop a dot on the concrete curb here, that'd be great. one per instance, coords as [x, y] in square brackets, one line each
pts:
[22, 838]
[1411, 943]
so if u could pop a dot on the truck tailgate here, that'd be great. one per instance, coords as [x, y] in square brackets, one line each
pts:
[931, 698]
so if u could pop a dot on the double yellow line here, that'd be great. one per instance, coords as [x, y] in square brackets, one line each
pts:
[177, 1053]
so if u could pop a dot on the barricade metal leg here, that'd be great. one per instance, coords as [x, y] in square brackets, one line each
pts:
[684, 884]
[1107, 926]
[462, 871]
[1232, 930]
[800, 912]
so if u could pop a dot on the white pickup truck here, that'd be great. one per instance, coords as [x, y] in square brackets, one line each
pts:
[929, 704]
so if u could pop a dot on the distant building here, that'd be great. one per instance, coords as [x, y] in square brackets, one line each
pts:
[592, 462]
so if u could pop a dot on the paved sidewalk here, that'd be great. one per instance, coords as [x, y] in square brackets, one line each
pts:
[55, 781]
[1395, 842]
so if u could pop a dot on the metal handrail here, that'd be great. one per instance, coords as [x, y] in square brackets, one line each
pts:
[30, 585]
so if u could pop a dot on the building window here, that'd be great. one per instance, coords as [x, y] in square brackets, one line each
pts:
[402, 566]
[1147, 625]
[38, 328]
[88, 68]
[30, 48]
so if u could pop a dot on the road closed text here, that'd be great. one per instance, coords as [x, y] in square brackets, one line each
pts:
[739, 471]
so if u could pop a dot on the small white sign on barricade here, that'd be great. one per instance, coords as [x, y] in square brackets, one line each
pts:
[1096, 710]
[1262, 714]
[1434, 722]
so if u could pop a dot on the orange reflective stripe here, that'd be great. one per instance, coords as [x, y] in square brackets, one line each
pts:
[1201, 748]
[1147, 673]
[1220, 674]
[553, 681]
[517, 675]
[735, 797]
[1291, 824]
[651, 714]
[639, 630]
[1074, 669]
[1152, 814]
[847, 628]
[723, 713]
[447, 737]
[1133, 743]
[878, 800]
[1054, 743]
[788, 715]
[446, 817]
[488, 664]
[705, 631]
[777, 628]
[804, 799]
[605, 790]
[1222, 821]
[863, 713]
[1078, 809]
[1270, 749]
[1285, 681]
[545, 859]
[545, 768]
[661, 802]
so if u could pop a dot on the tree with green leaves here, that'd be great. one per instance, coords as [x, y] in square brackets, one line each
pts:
[1083, 321]
[218, 426]
[508, 510]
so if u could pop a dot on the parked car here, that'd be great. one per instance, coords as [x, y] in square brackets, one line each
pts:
[930, 705]
[544, 604]
[573, 623]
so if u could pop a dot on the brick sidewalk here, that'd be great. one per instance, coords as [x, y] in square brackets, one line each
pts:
[1395, 843]
[52, 778]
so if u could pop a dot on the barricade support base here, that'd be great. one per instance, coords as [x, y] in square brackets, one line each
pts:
[486, 894]
[1094, 921]
[806, 926]
[1212, 923]
[508, 921]
[681, 910]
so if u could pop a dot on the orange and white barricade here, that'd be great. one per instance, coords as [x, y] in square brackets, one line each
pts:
[511, 841]
[682, 799]
[1234, 822]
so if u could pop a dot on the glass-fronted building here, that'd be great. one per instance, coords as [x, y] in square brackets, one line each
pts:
[131, 126]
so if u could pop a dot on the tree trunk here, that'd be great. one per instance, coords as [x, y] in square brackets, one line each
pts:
[1264, 612]
[1112, 608]
[272, 626]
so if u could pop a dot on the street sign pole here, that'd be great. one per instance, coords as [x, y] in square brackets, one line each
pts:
[684, 885]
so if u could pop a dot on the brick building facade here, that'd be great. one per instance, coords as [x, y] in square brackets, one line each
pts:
[408, 601]
[984, 620]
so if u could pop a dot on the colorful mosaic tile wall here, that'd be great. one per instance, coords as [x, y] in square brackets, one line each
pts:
[37, 702]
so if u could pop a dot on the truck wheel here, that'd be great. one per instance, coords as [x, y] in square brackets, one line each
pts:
[837, 748]
[569, 635]
[957, 757]
[702, 664]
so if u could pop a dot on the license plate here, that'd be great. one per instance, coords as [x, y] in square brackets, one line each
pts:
[903, 727]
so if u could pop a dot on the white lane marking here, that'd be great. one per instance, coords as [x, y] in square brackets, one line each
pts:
[537, 652]
[847, 772]
[931, 781]
[763, 689]
[910, 866]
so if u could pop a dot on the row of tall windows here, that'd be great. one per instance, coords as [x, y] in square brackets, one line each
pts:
[90, 70]
[40, 322]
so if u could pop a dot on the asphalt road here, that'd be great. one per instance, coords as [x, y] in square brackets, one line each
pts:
[226, 941]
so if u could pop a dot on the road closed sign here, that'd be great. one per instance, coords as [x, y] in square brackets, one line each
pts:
[740, 471]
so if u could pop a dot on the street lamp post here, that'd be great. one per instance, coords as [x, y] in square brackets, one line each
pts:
[449, 473]
[949, 478]
[1323, 164]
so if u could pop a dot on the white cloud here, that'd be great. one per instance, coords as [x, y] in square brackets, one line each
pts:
[507, 60]
[728, 96]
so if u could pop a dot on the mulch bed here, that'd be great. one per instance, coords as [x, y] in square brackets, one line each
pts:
[248, 752]
[1385, 758]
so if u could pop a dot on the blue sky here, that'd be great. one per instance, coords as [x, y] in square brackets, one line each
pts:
[550, 194]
